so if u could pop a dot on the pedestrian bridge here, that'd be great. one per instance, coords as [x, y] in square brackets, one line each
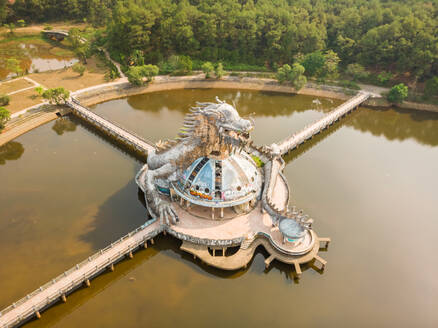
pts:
[111, 129]
[81, 274]
[308, 132]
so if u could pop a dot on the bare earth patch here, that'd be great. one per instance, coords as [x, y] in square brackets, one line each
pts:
[66, 78]
[14, 85]
[22, 100]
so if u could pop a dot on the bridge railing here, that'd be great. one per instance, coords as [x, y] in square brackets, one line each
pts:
[313, 128]
[75, 282]
[109, 125]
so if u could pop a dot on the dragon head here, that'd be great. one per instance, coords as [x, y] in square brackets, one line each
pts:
[218, 124]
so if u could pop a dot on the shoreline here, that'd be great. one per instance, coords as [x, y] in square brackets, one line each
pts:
[122, 88]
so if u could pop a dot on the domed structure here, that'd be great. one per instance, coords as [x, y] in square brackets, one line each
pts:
[220, 183]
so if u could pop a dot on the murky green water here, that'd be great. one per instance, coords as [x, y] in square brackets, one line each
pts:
[370, 183]
[34, 55]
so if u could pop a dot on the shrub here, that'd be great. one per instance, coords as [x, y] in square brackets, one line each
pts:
[431, 88]
[4, 100]
[4, 117]
[207, 68]
[314, 63]
[79, 68]
[356, 72]
[39, 90]
[180, 65]
[219, 71]
[349, 84]
[398, 93]
[294, 74]
[21, 23]
[47, 27]
[384, 77]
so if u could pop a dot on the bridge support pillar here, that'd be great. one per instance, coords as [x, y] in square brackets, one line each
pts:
[130, 255]
[297, 269]
[38, 314]
[87, 282]
[111, 267]
[64, 298]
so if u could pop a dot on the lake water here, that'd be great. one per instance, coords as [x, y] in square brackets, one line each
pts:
[370, 183]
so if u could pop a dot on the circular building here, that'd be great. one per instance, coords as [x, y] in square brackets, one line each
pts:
[231, 182]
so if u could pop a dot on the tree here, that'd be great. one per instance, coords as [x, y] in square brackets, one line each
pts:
[294, 74]
[4, 100]
[331, 61]
[79, 68]
[139, 75]
[149, 71]
[283, 73]
[13, 65]
[398, 93]
[313, 64]
[219, 71]
[431, 88]
[207, 68]
[56, 96]
[4, 117]
[80, 45]
[356, 71]
[180, 65]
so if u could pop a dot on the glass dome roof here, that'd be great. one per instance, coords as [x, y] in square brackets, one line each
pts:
[220, 182]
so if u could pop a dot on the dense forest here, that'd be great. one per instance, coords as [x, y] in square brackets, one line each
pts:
[396, 35]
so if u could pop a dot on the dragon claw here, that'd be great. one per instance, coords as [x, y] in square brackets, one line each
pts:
[167, 213]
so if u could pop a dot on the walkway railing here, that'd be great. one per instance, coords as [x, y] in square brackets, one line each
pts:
[316, 127]
[59, 287]
[112, 128]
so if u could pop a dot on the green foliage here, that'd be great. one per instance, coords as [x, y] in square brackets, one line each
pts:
[10, 27]
[356, 72]
[431, 87]
[390, 34]
[56, 96]
[398, 93]
[139, 75]
[39, 90]
[219, 71]
[384, 77]
[349, 84]
[48, 27]
[294, 74]
[207, 68]
[13, 65]
[21, 23]
[4, 100]
[4, 117]
[258, 161]
[137, 58]
[79, 68]
[79, 44]
[181, 65]
[314, 64]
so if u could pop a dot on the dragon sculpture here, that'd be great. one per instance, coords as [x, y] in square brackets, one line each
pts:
[210, 129]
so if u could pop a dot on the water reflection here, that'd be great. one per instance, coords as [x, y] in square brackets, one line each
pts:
[35, 55]
[262, 103]
[397, 124]
[62, 125]
[10, 151]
